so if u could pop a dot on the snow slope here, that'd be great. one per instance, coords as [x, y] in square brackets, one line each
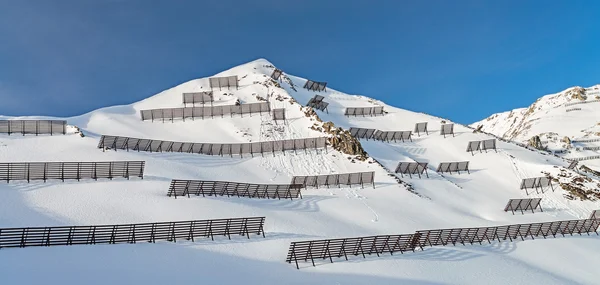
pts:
[443, 201]
[572, 113]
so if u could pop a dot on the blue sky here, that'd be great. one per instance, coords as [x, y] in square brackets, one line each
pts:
[462, 60]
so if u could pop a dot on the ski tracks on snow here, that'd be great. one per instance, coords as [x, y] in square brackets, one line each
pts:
[305, 162]
[313, 162]
[518, 171]
[550, 201]
[352, 193]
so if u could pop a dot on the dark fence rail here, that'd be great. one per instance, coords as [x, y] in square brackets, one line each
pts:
[591, 148]
[276, 74]
[453, 167]
[225, 81]
[523, 205]
[584, 102]
[480, 146]
[235, 189]
[204, 112]
[421, 128]
[343, 247]
[585, 140]
[315, 85]
[508, 232]
[315, 100]
[318, 103]
[447, 129]
[36, 127]
[198, 97]
[411, 168]
[130, 233]
[384, 136]
[364, 111]
[585, 158]
[70, 170]
[358, 178]
[362, 133]
[537, 183]
[126, 143]
[279, 114]
[387, 136]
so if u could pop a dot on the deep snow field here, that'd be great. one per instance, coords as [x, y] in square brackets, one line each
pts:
[448, 200]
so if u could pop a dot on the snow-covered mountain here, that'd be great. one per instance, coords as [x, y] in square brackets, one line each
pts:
[564, 122]
[396, 205]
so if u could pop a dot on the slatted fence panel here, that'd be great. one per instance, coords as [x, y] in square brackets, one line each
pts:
[585, 140]
[345, 247]
[447, 129]
[523, 205]
[364, 111]
[411, 168]
[170, 114]
[36, 127]
[114, 142]
[453, 167]
[197, 97]
[221, 82]
[537, 183]
[233, 189]
[511, 232]
[130, 233]
[349, 179]
[276, 74]
[584, 102]
[315, 86]
[421, 128]
[279, 114]
[29, 171]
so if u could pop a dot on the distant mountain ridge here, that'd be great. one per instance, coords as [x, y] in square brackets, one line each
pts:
[556, 119]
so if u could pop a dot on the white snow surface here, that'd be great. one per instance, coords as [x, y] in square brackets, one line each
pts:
[446, 201]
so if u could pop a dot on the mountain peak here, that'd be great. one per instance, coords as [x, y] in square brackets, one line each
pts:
[573, 113]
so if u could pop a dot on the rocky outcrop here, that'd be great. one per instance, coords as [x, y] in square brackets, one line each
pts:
[535, 142]
[566, 140]
[260, 98]
[78, 131]
[310, 112]
[577, 192]
[478, 129]
[589, 170]
[340, 139]
[577, 93]
[578, 187]
[344, 142]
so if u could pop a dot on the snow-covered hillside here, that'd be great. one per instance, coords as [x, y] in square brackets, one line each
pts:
[559, 120]
[441, 201]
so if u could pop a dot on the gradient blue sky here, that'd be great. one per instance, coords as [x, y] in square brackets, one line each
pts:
[462, 60]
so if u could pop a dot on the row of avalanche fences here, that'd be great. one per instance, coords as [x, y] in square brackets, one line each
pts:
[299, 251]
